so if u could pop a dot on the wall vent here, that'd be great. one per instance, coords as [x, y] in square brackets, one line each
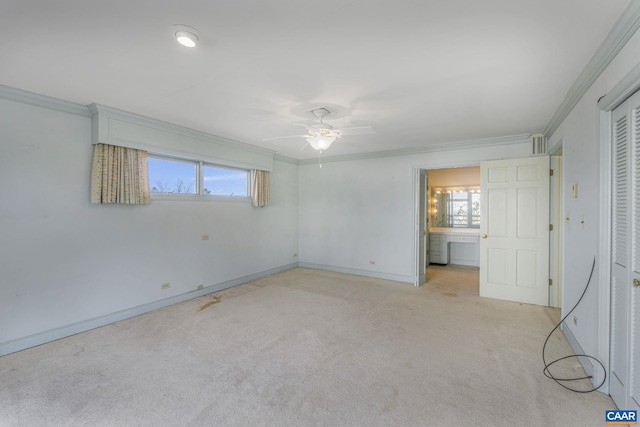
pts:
[538, 145]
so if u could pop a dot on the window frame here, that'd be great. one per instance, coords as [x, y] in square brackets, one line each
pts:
[199, 195]
[468, 200]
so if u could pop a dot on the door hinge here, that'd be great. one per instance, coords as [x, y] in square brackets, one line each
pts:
[550, 172]
[550, 227]
[550, 282]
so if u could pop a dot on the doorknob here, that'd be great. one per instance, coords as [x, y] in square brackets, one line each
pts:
[484, 236]
[636, 283]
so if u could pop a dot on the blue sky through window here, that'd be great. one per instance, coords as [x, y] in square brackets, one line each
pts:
[225, 182]
[168, 175]
[172, 176]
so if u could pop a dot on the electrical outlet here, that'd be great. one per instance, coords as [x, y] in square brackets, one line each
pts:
[165, 285]
[575, 320]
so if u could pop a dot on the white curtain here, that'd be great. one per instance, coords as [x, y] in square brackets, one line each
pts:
[119, 175]
[260, 196]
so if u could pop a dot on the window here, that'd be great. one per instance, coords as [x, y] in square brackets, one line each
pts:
[457, 208]
[172, 176]
[465, 209]
[219, 181]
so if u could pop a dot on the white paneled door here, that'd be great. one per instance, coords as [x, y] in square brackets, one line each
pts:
[625, 256]
[514, 230]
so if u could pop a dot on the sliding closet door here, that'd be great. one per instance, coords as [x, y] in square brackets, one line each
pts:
[625, 256]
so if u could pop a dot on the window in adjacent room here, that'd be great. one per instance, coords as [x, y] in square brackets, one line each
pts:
[465, 209]
[456, 207]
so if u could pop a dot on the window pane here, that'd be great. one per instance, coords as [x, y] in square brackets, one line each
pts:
[172, 176]
[456, 208]
[225, 182]
[475, 210]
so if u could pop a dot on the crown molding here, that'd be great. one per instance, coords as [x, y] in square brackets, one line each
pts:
[627, 86]
[286, 159]
[453, 146]
[32, 98]
[622, 31]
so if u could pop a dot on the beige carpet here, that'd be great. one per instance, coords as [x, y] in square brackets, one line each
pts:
[305, 348]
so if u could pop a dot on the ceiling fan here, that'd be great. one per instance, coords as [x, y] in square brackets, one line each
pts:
[321, 135]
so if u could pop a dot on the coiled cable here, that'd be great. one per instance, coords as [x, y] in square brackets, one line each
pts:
[561, 381]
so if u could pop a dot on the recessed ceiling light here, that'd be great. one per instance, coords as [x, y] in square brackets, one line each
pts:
[185, 35]
[186, 38]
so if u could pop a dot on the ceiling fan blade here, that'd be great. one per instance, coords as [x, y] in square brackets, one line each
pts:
[285, 137]
[359, 130]
[304, 146]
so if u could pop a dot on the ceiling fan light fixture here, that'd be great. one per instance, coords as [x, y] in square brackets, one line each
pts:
[321, 142]
[185, 38]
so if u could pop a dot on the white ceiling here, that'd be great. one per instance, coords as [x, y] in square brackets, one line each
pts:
[420, 72]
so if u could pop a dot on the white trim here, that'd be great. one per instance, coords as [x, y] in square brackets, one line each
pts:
[584, 361]
[621, 92]
[358, 272]
[286, 159]
[603, 299]
[44, 101]
[207, 198]
[416, 226]
[622, 31]
[86, 325]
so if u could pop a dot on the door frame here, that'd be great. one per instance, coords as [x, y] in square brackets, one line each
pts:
[556, 237]
[421, 236]
[417, 209]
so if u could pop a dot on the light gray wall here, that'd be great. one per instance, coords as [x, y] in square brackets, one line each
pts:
[358, 211]
[451, 177]
[64, 261]
[579, 135]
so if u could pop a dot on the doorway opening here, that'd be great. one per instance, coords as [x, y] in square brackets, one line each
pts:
[452, 227]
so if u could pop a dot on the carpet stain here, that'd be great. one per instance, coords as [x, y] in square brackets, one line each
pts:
[210, 303]
[78, 353]
[449, 294]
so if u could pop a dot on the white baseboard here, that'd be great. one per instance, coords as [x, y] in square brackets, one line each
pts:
[470, 263]
[588, 367]
[357, 272]
[19, 344]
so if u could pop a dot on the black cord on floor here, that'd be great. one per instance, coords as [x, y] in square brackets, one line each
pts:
[561, 381]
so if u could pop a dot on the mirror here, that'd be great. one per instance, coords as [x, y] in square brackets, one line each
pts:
[455, 207]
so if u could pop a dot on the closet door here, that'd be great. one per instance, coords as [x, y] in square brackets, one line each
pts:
[625, 256]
